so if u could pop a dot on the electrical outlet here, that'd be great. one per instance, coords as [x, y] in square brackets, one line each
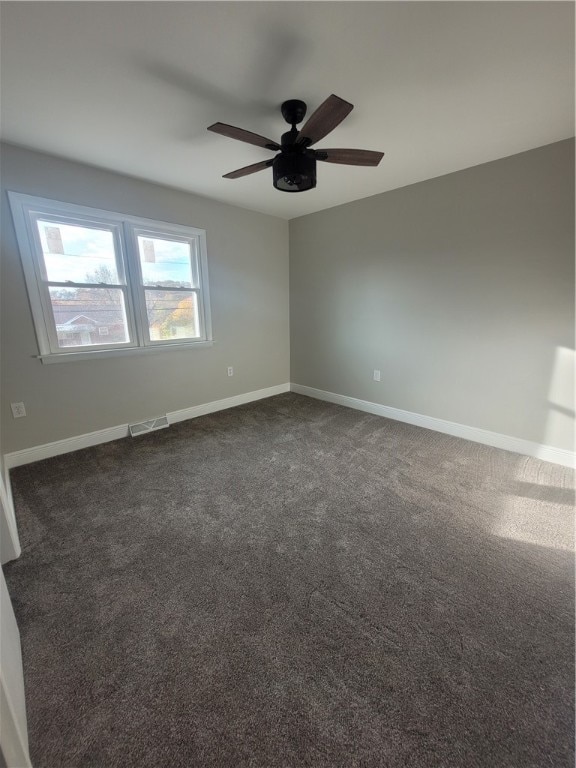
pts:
[376, 375]
[230, 371]
[18, 410]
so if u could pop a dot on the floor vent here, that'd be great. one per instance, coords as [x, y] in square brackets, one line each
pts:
[148, 426]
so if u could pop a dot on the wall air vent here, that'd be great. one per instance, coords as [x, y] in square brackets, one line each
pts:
[143, 427]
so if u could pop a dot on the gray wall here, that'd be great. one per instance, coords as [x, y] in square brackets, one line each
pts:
[460, 289]
[248, 272]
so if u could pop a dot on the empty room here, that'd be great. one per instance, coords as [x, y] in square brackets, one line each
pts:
[287, 384]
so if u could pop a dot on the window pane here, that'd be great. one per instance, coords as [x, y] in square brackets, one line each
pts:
[172, 315]
[166, 263]
[79, 254]
[88, 316]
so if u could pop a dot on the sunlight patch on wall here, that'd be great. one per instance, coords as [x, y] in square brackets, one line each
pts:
[539, 511]
[560, 422]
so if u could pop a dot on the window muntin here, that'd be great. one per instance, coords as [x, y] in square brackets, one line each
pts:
[100, 281]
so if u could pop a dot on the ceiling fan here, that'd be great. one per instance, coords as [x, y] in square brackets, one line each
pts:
[294, 168]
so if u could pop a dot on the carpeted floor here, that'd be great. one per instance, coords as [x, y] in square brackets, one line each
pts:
[293, 583]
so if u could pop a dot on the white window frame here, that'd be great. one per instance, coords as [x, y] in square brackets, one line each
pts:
[26, 209]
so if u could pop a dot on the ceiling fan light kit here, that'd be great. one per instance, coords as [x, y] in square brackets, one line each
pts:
[294, 168]
[294, 173]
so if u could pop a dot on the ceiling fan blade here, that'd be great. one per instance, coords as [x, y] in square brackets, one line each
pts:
[328, 115]
[232, 132]
[248, 169]
[349, 156]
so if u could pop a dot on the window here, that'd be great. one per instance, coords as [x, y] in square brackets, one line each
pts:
[101, 283]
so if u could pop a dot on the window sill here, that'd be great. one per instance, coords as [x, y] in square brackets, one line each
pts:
[68, 357]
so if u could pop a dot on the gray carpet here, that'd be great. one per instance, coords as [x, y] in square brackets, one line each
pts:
[293, 583]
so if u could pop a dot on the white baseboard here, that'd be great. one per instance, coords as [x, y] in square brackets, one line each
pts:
[69, 444]
[495, 439]
[229, 402]
[476, 435]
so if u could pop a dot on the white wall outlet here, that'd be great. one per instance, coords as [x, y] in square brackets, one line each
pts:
[18, 410]
[376, 375]
[230, 371]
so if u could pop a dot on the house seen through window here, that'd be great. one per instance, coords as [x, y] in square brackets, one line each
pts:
[100, 281]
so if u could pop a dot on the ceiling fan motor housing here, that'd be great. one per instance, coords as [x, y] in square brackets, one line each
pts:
[293, 111]
[294, 171]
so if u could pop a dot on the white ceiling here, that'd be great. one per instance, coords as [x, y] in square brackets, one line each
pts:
[437, 86]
